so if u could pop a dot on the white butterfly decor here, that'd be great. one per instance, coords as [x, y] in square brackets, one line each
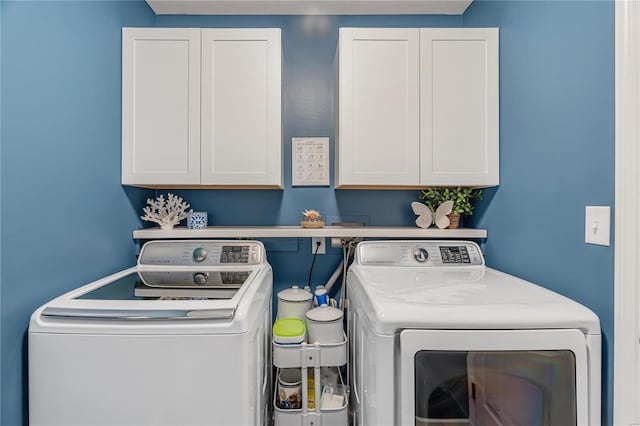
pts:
[426, 217]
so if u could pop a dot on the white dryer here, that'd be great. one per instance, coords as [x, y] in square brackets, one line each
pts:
[183, 338]
[438, 338]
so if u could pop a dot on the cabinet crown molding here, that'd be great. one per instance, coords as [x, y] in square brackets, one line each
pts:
[309, 7]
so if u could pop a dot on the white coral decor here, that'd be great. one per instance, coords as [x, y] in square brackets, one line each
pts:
[166, 213]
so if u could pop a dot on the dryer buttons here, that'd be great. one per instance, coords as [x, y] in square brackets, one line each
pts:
[420, 254]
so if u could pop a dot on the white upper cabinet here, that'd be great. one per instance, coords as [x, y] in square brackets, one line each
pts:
[201, 107]
[378, 133]
[459, 106]
[417, 107]
[241, 114]
[160, 106]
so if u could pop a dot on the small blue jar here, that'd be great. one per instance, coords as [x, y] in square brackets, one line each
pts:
[197, 220]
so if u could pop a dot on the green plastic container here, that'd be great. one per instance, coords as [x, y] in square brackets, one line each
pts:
[289, 331]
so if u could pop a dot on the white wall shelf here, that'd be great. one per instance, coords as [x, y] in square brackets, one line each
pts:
[308, 7]
[298, 231]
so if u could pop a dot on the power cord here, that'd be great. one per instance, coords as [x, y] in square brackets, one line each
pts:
[315, 253]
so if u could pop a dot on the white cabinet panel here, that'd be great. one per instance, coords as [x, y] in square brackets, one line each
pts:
[236, 141]
[417, 107]
[459, 106]
[378, 134]
[160, 106]
[241, 107]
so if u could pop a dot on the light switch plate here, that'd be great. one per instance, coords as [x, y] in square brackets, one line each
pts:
[597, 225]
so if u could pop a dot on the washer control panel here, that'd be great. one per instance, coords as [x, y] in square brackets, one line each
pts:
[189, 279]
[202, 253]
[235, 254]
[419, 253]
[454, 254]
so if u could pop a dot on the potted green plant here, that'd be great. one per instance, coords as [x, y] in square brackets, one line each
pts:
[462, 198]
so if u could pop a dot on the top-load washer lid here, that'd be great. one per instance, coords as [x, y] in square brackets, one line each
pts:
[173, 280]
[445, 285]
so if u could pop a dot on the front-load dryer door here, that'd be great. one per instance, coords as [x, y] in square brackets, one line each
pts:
[493, 377]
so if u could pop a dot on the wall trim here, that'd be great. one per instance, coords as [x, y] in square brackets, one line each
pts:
[626, 370]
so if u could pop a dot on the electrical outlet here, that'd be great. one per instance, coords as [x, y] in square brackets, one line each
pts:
[322, 249]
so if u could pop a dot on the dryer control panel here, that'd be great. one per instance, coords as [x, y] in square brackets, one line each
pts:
[419, 253]
[202, 253]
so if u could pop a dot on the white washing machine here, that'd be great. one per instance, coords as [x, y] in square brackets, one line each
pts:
[183, 338]
[437, 338]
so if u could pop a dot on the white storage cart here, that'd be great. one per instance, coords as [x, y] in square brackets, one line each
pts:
[313, 356]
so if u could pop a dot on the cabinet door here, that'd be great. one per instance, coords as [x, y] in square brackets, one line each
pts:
[459, 106]
[241, 112]
[160, 106]
[378, 122]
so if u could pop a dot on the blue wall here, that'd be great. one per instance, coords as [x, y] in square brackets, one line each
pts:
[66, 220]
[556, 150]
[60, 152]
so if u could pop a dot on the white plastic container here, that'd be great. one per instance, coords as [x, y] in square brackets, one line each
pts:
[294, 302]
[324, 325]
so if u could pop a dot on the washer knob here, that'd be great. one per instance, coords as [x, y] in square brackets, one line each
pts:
[420, 254]
[200, 278]
[200, 254]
